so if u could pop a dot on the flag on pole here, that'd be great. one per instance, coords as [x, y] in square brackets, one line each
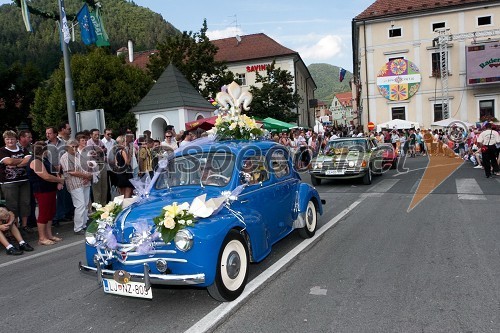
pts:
[26, 16]
[65, 29]
[100, 32]
[86, 27]
[341, 74]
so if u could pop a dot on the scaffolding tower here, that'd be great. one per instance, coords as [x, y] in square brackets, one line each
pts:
[444, 37]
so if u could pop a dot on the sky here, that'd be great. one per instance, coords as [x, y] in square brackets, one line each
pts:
[319, 30]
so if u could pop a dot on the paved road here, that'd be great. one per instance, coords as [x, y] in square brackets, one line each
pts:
[381, 269]
[377, 268]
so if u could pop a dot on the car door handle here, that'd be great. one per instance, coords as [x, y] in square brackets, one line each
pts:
[243, 201]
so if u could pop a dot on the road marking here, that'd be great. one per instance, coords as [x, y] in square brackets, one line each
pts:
[415, 186]
[468, 189]
[33, 256]
[220, 313]
[384, 186]
[318, 291]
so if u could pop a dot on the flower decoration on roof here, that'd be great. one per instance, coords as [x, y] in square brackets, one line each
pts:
[230, 123]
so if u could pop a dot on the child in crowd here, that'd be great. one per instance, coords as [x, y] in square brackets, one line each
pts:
[7, 224]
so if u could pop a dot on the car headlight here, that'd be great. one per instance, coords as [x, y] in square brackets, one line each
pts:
[318, 165]
[183, 240]
[351, 164]
[90, 238]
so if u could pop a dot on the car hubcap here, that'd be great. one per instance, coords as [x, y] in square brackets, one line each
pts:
[233, 265]
[310, 218]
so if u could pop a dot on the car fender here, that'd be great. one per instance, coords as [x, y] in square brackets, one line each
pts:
[306, 193]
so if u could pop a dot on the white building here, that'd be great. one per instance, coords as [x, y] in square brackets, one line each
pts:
[398, 66]
[245, 55]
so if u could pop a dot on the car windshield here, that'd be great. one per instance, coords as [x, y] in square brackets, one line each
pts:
[342, 146]
[205, 169]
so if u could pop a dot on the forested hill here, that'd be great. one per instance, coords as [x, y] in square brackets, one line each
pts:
[123, 20]
[326, 77]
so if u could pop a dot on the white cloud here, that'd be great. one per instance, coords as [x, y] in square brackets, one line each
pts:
[327, 47]
[225, 33]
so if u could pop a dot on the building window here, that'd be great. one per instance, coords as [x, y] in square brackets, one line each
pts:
[395, 32]
[436, 64]
[395, 58]
[242, 78]
[438, 112]
[438, 25]
[398, 113]
[484, 20]
[486, 109]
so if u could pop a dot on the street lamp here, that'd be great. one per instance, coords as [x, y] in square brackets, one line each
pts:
[68, 81]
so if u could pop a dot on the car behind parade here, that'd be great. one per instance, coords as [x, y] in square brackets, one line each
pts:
[346, 158]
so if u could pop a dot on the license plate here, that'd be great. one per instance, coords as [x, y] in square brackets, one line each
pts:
[131, 289]
[334, 172]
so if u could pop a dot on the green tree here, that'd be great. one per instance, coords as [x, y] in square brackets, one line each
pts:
[194, 56]
[17, 84]
[101, 81]
[276, 98]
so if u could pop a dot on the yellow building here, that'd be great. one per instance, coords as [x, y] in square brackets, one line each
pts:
[404, 71]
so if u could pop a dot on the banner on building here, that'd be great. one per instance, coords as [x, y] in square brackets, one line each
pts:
[483, 63]
[398, 80]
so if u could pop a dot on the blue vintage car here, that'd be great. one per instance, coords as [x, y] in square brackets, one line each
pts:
[265, 201]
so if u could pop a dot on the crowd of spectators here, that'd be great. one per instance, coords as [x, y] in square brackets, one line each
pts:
[62, 176]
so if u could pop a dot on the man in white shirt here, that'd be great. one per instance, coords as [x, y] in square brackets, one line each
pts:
[169, 141]
[108, 140]
[487, 141]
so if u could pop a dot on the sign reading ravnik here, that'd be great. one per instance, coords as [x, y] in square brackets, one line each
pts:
[483, 63]
[398, 80]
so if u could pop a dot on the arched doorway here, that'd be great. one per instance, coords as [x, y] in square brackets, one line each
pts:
[158, 126]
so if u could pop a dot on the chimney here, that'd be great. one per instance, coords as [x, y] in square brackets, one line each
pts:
[130, 51]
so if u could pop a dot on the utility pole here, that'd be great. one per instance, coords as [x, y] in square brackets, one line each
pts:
[68, 81]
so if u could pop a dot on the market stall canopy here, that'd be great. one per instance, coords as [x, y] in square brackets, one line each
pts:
[203, 123]
[272, 124]
[398, 124]
[451, 121]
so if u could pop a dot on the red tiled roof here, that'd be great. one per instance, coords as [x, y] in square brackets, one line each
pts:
[141, 59]
[254, 46]
[345, 98]
[382, 8]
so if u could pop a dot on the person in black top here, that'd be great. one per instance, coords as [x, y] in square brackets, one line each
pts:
[45, 184]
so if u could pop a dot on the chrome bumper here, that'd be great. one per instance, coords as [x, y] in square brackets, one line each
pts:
[145, 277]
